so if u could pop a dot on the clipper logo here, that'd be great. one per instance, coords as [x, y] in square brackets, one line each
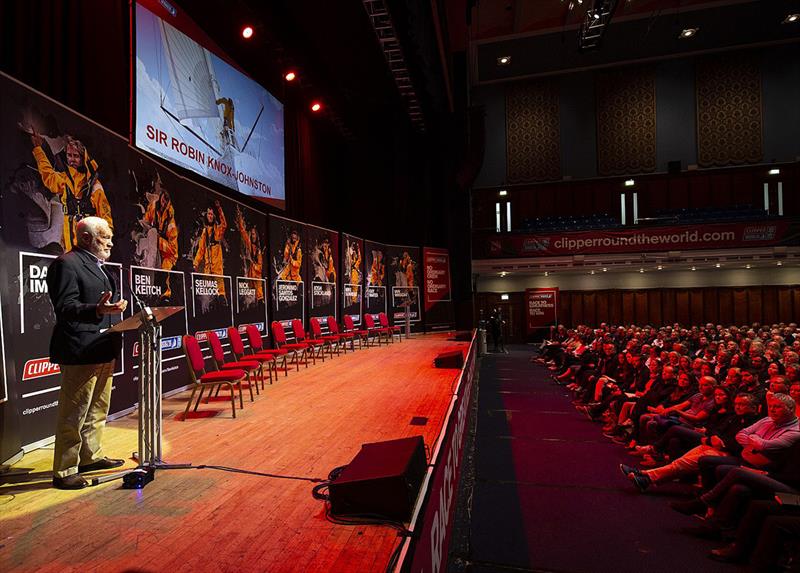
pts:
[533, 245]
[760, 233]
[169, 343]
[39, 368]
[259, 325]
[202, 336]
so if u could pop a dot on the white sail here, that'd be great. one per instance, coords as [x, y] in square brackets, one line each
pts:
[190, 74]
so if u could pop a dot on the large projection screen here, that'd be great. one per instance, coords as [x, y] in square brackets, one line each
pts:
[196, 110]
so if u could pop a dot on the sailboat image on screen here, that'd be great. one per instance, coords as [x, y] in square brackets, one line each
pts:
[202, 109]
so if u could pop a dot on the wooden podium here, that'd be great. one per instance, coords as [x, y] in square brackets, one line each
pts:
[148, 323]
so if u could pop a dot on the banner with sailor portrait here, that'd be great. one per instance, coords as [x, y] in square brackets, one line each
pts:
[323, 266]
[403, 265]
[352, 277]
[287, 247]
[375, 280]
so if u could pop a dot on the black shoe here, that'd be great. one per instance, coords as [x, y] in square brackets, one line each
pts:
[75, 481]
[691, 507]
[627, 471]
[101, 464]
[731, 553]
[703, 531]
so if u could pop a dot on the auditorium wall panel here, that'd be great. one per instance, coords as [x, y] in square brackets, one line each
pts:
[725, 305]
[615, 307]
[740, 310]
[769, 306]
[628, 312]
[682, 296]
[784, 300]
[711, 304]
[696, 302]
[668, 307]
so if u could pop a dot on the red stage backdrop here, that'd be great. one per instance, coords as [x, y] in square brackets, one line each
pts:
[675, 238]
[438, 298]
[542, 304]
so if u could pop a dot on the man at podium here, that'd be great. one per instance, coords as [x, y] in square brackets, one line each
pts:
[84, 297]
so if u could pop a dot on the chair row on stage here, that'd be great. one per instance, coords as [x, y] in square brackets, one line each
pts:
[254, 364]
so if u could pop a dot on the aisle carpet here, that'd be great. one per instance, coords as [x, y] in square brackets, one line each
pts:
[548, 493]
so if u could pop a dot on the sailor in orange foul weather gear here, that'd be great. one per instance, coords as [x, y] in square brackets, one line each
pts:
[292, 258]
[208, 258]
[161, 215]
[78, 188]
[253, 258]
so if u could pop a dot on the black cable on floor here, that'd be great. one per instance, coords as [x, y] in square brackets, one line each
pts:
[255, 473]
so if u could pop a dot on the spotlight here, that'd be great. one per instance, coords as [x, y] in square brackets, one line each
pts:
[694, 268]
[290, 76]
[747, 266]
[688, 33]
[605, 269]
[503, 60]
[591, 272]
[630, 183]
[596, 16]
[316, 106]
[660, 267]
[779, 263]
[546, 274]
[718, 265]
[503, 193]
[791, 18]
[774, 171]
[641, 270]
[247, 32]
[503, 297]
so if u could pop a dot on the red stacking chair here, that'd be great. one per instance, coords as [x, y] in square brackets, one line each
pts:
[374, 331]
[392, 329]
[201, 378]
[218, 356]
[313, 343]
[269, 356]
[333, 330]
[329, 339]
[297, 349]
[350, 328]
[237, 349]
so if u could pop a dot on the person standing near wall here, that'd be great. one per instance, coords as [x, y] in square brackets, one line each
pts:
[82, 293]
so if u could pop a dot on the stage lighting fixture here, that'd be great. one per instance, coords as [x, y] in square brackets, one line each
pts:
[688, 33]
[503, 60]
[595, 23]
[641, 270]
[694, 268]
[316, 106]
[605, 269]
[659, 267]
[503, 297]
[774, 171]
[247, 32]
[718, 265]
[779, 263]
[546, 274]
[747, 266]
[503, 193]
[591, 272]
[791, 19]
[290, 76]
[630, 183]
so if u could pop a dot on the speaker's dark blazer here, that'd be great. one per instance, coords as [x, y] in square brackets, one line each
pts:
[75, 284]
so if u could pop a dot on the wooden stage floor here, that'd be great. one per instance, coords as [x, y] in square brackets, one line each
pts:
[210, 520]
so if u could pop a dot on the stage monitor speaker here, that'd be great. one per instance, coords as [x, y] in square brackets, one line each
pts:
[382, 480]
[673, 167]
[453, 359]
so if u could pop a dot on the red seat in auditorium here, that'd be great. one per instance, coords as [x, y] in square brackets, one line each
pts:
[315, 343]
[218, 356]
[328, 339]
[264, 355]
[202, 379]
[296, 349]
[376, 331]
[392, 329]
[333, 329]
[350, 328]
